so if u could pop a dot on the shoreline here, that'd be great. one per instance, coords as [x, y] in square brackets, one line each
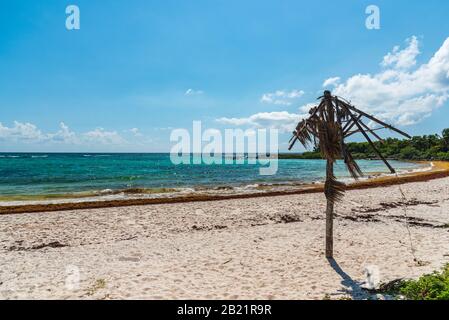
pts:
[439, 169]
[244, 249]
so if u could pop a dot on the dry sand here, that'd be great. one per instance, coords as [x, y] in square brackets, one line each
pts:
[255, 248]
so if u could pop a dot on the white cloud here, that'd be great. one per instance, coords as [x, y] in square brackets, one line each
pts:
[281, 97]
[306, 108]
[29, 133]
[331, 82]
[397, 93]
[64, 135]
[192, 92]
[163, 128]
[403, 59]
[101, 136]
[135, 132]
[21, 132]
[282, 120]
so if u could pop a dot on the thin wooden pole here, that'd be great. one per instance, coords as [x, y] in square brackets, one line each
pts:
[375, 119]
[329, 215]
[371, 131]
[371, 143]
[349, 125]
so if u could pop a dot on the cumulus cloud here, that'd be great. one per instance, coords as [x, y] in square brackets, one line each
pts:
[402, 93]
[102, 136]
[29, 133]
[281, 97]
[192, 92]
[21, 132]
[135, 132]
[282, 120]
[334, 81]
[306, 108]
[403, 59]
[64, 135]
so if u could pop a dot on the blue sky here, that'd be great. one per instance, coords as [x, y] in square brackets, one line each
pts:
[136, 68]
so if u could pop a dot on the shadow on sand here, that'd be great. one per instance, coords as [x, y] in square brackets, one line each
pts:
[352, 287]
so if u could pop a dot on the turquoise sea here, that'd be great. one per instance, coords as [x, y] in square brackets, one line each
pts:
[34, 176]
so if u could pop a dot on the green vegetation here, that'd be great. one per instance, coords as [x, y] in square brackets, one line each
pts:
[433, 286]
[428, 147]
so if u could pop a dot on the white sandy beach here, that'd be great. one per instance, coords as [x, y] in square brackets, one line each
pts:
[257, 248]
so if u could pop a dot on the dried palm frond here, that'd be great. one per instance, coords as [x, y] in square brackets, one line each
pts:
[329, 140]
[303, 134]
[352, 166]
[334, 189]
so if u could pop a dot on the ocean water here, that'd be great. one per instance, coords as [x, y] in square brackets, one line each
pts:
[47, 176]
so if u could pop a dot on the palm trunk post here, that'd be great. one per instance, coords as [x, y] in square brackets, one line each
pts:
[329, 214]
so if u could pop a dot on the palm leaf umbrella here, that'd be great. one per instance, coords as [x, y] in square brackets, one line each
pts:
[327, 127]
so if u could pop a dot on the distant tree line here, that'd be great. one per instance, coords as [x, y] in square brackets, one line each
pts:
[427, 147]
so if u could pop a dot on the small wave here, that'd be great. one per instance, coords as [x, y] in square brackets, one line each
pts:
[423, 168]
[136, 191]
[96, 155]
[39, 156]
[106, 191]
[224, 188]
[251, 186]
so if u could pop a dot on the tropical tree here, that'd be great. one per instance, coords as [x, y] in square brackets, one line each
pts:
[446, 139]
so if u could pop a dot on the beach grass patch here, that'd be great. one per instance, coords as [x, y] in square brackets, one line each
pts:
[98, 285]
[434, 286]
